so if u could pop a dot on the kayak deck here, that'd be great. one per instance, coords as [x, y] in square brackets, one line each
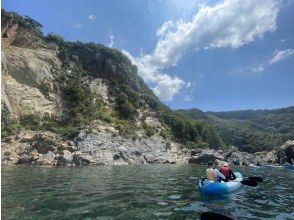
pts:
[212, 187]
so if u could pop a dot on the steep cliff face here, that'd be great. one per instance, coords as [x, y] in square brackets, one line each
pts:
[74, 103]
[79, 103]
[28, 67]
[25, 74]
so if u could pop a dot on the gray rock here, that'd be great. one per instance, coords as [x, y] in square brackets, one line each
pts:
[72, 148]
[205, 157]
[149, 158]
[21, 149]
[7, 153]
[65, 158]
[82, 159]
[46, 159]
[195, 151]
[116, 156]
[62, 147]
[24, 159]
[43, 149]
[71, 143]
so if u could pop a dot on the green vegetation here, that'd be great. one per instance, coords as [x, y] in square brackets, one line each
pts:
[23, 21]
[250, 130]
[9, 125]
[45, 87]
[83, 62]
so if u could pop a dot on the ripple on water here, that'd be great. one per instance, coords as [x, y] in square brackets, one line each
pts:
[174, 197]
[137, 192]
[162, 203]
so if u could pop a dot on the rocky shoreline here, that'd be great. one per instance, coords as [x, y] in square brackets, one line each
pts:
[108, 148]
[99, 148]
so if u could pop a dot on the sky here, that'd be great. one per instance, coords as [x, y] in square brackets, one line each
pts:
[215, 55]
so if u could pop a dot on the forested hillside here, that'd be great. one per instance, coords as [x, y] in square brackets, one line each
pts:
[250, 130]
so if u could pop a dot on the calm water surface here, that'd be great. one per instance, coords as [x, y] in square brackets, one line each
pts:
[138, 192]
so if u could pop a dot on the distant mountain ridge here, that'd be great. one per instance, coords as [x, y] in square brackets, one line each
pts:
[250, 130]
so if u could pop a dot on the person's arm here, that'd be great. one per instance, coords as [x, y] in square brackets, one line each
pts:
[232, 175]
[219, 174]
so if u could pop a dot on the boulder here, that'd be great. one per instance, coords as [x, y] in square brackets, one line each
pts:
[150, 158]
[195, 151]
[62, 146]
[285, 153]
[35, 155]
[46, 159]
[71, 143]
[21, 149]
[280, 154]
[45, 142]
[24, 159]
[24, 137]
[82, 159]
[44, 148]
[205, 157]
[229, 152]
[72, 148]
[65, 158]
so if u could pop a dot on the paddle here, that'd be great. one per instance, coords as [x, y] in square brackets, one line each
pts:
[256, 178]
[249, 183]
[212, 215]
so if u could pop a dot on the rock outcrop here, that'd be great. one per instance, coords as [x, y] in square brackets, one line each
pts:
[100, 148]
[233, 156]
[281, 154]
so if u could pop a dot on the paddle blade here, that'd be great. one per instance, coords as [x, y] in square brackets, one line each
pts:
[249, 183]
[212, 215]
[256, 178]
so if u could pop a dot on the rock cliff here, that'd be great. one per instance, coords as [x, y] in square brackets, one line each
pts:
[74, 103]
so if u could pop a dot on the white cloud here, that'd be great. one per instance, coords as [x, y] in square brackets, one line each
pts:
[231, 23]
[92, 17]
[188, 98]
[77, 25]
[281, 55]
[277, 57]
[111, 38]
[166, 86]
[164, 28]
[188, 85]
[257, 69]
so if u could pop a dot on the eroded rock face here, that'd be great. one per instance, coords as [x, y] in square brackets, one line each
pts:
[107, 149]
[26, 73]
[281, 154]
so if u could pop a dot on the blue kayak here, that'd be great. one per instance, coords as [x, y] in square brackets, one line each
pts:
[212, 187]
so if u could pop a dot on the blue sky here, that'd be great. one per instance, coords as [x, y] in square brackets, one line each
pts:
[206, 54]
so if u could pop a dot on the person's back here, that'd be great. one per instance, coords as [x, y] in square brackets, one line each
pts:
[213, 174]
[227, 172]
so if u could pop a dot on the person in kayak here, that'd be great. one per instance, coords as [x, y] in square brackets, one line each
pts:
[214, 174]
[227, 172]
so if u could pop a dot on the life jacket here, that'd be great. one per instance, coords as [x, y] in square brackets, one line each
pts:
[225, 170]
[210, 174]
